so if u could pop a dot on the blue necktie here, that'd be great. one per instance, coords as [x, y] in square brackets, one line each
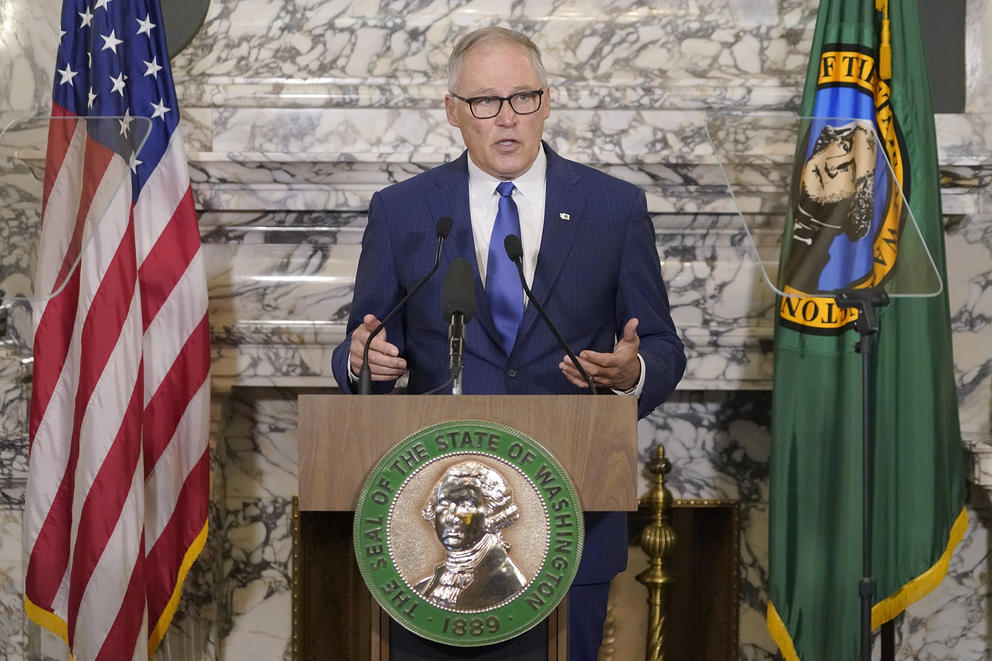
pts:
[506, 296]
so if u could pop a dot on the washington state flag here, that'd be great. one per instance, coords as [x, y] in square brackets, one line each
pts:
[865, 167]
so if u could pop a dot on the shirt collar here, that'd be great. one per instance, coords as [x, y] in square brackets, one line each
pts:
[530, 184]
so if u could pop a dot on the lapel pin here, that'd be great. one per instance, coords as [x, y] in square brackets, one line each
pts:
[564, 216]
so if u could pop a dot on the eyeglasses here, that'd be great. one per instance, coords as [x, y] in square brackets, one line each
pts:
[487, 107]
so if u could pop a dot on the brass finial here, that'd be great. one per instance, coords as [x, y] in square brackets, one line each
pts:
[658, 542]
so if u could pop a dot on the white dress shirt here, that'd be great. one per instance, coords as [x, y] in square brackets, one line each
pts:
[528, 194]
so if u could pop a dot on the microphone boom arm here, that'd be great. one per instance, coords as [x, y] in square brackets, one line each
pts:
[554, 329]
[365, 373]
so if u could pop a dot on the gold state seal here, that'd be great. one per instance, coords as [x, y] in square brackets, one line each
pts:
[468, 532]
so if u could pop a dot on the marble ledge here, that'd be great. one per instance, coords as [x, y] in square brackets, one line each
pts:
[980, 452]
[662, 198]
[754, 336]
[655, 135]
[14, 458]
[962, 137]
[734, 360]
[690, 93]
[249, 182]
[322, 158]
[15, 372]
[957, 170]
[354, 148]
[966, 200]
[303, 196]
[346, 169]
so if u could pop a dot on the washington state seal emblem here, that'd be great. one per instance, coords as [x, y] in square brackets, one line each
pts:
[468, 532]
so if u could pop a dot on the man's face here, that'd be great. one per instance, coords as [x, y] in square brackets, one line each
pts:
[830, 175]
[459, 514]
[506, 145]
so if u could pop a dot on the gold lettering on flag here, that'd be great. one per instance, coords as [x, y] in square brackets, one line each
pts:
[820, 312]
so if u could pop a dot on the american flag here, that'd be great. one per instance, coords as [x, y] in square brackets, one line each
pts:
[116, 503]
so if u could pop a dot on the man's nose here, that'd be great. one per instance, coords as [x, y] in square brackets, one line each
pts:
[506, 115]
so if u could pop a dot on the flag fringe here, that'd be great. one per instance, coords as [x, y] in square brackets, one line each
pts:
[780, 634]
[55, 624]
[888, 608]
[917, 588]
[48, 620]
[156, 635]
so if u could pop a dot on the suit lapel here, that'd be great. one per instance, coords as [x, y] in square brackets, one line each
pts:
[563, 205]
[450, 198]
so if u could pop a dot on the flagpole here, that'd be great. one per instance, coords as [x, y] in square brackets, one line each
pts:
[865, 301]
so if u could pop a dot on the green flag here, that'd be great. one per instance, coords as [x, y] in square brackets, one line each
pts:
[835, 240]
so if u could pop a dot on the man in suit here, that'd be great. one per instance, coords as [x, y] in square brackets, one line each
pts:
[589, 250]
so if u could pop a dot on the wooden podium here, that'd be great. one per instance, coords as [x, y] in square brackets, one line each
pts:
[342, 437]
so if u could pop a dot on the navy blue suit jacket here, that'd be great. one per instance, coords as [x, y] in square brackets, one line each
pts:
[598, 266]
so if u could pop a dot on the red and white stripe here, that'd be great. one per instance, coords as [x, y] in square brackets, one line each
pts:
[117, 492]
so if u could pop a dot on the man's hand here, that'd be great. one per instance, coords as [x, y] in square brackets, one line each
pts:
[384, 358]
[620, 369]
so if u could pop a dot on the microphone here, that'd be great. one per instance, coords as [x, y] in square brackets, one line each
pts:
[515, 251]
[442, 229]
[458, 307]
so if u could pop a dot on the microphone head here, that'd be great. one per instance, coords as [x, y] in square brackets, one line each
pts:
[458, 294]
[514, 250]
[444, 226]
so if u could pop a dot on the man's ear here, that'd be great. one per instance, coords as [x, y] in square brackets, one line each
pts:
[449, 110]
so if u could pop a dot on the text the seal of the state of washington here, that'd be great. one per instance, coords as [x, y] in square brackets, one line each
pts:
[468, 532]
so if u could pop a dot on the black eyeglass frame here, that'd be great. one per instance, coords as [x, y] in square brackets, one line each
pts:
[502, 99]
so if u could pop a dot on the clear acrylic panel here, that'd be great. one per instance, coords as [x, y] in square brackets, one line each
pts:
[88, 168]
[89, 175]
[829, 181]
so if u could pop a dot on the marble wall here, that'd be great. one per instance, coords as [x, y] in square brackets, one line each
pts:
[296, 111]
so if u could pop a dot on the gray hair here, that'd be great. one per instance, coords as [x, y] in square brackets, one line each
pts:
[493, 33]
